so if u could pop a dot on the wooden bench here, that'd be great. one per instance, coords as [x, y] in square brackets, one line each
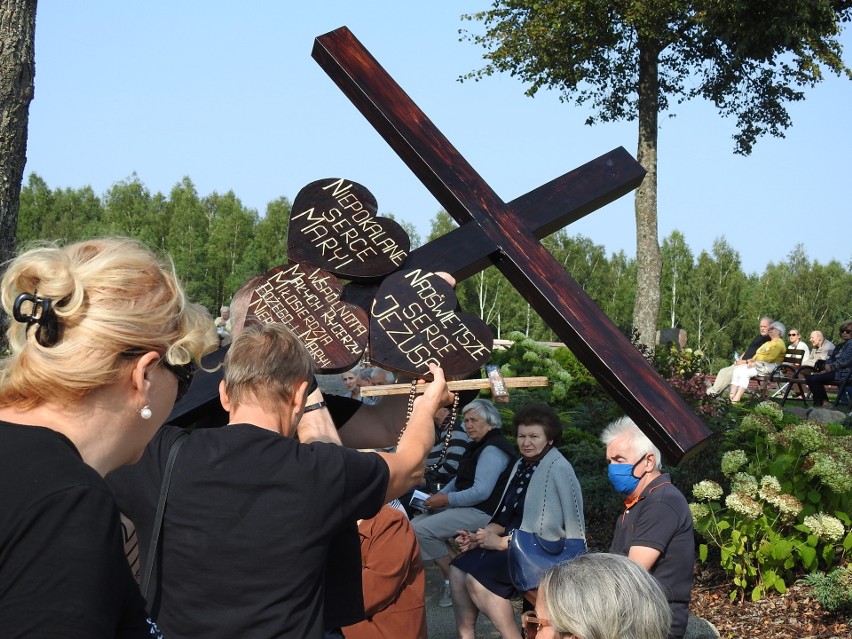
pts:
[779, 382]
[775, 382]
[796, 377]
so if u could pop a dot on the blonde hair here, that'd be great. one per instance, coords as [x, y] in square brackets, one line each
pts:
[605, 596]
[111, 297]
[264, 366]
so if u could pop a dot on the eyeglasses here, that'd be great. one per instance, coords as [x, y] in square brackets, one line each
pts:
[793, 334]
[532, 624]
[845, 330]
[183, 373]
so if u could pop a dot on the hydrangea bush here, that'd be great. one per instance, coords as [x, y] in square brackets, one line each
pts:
[785, 510]
[526, 357]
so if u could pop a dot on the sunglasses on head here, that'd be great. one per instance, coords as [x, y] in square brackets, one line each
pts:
[183, 373]
[532, 624]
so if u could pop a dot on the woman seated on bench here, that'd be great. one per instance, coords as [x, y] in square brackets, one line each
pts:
[764, 362]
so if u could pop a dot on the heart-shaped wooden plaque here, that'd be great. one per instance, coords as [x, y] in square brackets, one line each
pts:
[333, 225]
[414, 322]
[307, 301]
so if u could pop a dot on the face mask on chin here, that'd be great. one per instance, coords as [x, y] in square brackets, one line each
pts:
[621, 476]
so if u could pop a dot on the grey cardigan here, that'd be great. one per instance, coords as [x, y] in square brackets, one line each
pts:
[553, 505]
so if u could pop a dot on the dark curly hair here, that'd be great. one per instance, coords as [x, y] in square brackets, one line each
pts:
[539, 415]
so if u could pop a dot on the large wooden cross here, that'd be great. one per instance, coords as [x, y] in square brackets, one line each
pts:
[507, 235]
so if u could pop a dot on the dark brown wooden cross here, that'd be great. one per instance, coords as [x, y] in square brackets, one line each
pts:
[507, 235]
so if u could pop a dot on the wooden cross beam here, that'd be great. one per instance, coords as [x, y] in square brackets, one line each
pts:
[508, 235]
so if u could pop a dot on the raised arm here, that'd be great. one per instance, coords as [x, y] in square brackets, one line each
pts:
[407, 464]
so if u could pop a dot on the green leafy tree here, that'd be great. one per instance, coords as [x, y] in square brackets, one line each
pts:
[186, 240]
[130, 210]
[269, 245]
[617, 297]
[631, 60]
[716, 314]
[231, 231]
[584, 261]
[36, 210]
[76, 214]
[678, 267]
[441, 224]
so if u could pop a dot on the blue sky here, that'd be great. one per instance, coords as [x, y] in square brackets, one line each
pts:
[227, 94]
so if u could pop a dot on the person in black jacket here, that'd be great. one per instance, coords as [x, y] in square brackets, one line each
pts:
[836, 368]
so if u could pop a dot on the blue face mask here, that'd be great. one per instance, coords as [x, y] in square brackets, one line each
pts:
[621, 477]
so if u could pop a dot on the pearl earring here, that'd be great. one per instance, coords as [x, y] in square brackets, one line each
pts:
[145, 412]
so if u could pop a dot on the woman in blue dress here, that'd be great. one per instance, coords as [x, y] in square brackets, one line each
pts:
[543, 496]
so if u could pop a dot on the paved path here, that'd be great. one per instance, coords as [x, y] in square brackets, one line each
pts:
[440, 621]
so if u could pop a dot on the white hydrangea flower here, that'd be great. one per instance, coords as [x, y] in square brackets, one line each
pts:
[744, 483]
[788, 506]
[707, 490]
[699, 511]
[732, 461]
[744, 505]
[770, 489]
[826, 527]
[831, 471]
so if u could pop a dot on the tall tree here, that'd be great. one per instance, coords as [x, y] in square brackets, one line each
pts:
[130, 210]
[186, 240]
[269, 246]
[678, 265]
[17, 71]
[631, 59]
[231, 232]
[718, 288]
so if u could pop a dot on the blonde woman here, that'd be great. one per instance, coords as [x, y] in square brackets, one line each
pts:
[598, 596]
[102, 342]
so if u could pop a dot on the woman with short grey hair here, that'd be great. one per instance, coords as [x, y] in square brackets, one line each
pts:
[599, 596]
[487, 410]
[469, 499]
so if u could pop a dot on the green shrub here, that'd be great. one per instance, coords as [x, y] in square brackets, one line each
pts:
[786, 511]
[527, 358]
[833, 590]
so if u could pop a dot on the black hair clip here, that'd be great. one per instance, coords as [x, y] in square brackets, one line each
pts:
[41, 313]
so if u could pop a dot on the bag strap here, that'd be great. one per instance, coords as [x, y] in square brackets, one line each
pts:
[158, 516]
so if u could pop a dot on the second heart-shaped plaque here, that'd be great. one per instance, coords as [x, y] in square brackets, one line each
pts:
[333, 225]
[414, 322]
[307, 301]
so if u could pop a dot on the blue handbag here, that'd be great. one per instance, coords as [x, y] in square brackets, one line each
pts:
[530, 556]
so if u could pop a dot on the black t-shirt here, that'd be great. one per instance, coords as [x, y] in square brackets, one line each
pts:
[756, 343]
[246, 532]
[63, 572]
